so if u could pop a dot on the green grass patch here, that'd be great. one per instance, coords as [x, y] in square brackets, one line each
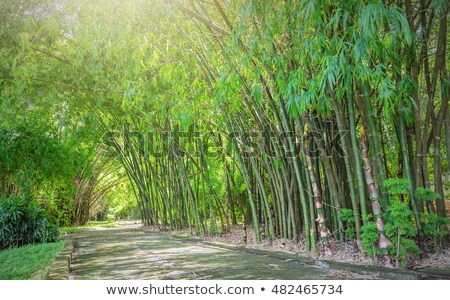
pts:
[28, 262]
[89, 226]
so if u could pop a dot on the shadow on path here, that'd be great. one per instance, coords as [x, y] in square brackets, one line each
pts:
[135, 254]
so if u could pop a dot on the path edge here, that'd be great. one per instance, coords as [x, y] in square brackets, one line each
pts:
[380, 272]
[60, 268]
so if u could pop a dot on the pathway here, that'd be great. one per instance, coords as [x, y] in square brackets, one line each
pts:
[135, 254]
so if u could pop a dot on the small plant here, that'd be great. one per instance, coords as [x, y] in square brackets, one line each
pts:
[24, 222]
[346, 215]
[428, 196]
[435, 227]
[397, 186]
[400, 228]
[369, 236]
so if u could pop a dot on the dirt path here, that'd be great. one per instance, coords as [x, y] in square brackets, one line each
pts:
[134, 254]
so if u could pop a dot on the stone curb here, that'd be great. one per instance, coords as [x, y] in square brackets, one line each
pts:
[380, 272]
[383, 273]
[280, 255]
[60, 268]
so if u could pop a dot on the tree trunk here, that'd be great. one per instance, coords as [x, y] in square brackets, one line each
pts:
[323, 229]
[356, 153]
[383, 241]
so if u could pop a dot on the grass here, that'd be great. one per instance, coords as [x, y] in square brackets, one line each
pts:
[88, 226]
[28, 262]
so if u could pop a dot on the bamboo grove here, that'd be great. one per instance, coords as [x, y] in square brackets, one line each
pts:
[302, 120]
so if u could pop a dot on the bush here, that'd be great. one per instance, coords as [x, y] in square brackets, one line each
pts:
[23, 222]
[346, 215]
[369, 238]
[436, 228]
[401, 230]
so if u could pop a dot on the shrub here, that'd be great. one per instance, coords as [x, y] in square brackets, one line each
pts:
[401, 230]
[435, 227]
[397, 186]
[24, 222]
[369, 236]
[346, 215]
[426, 194]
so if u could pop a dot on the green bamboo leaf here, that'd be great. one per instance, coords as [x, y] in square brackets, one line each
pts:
[256, 94]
